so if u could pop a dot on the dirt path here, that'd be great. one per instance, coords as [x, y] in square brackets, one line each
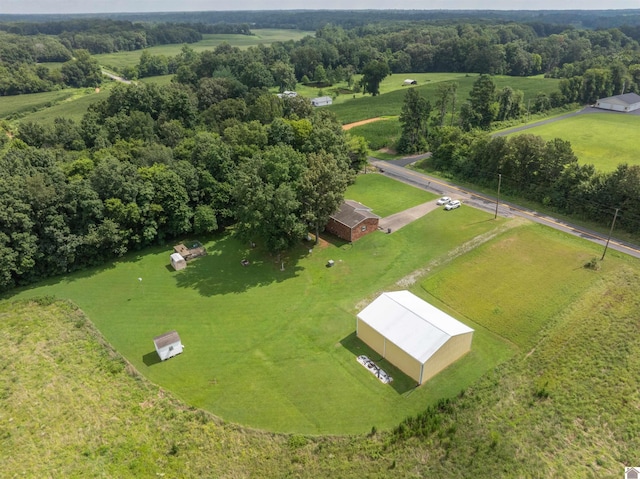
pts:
[348, 126]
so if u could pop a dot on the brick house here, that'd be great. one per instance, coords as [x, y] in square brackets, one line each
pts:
[352, 221]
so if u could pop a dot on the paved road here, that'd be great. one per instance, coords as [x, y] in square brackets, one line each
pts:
[488, 203]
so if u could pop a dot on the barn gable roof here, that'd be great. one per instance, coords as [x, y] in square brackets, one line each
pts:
[411, 323]
[166, 339]
[627, 99]
[352, 213]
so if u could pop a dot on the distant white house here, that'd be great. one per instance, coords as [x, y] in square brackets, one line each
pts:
[287, 94]
[321, 101]
[408, 81]
[178, 262]
[625, 103]
[168, 345]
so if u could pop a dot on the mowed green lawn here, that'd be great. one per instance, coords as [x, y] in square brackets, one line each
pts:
[602, 139]
[276, 349]
[514, 285]
[121, 60]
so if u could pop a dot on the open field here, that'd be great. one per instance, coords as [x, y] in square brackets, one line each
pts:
[511, 307]
[16, 105]
[566, 408]
[602, 139]
[259, 341]
[379, 134]
[74, 107]
[390, 101]
[121, 60]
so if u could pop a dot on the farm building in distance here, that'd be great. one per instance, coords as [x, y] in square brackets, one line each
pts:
[625, 103]
[408, 81]
[352, 221]
[321, 101]
[168, 345]
[416, 337]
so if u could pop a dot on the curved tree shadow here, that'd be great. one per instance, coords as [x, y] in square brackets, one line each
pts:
[234, 267]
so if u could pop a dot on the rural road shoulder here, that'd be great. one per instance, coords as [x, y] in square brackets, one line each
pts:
[396, 170]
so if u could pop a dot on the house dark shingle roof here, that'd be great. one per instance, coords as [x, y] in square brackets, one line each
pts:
[352, 213]
[166, 339]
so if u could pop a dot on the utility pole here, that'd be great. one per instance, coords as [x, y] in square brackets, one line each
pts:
[498, 197]
[613, 223]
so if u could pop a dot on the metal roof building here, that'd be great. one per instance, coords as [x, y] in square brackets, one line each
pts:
[416, 337]
[625, 103]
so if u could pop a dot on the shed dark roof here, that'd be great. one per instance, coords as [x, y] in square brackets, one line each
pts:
[166, 339]
[352, 213]
[626, 99]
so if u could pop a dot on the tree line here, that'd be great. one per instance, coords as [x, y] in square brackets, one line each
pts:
[151, 163]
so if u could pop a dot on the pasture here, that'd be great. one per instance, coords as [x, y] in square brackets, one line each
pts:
[391, 99]
[602, 139]
[276, 349]
[73, 107]
[120, 60]
[19, 105]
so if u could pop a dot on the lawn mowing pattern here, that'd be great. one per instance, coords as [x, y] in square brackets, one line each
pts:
[602, 139]
[268, 348]
[515, 284]
[385, 198]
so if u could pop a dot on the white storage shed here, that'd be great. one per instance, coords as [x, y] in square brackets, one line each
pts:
[322, 101]
[168, 345]
[178, 262]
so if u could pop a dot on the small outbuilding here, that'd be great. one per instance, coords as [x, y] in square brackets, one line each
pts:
[168, 345]
[408, 82]
[416, 337]
[321, 101]
[178, 262]
[194, 250]
[624, 103]
[352, 221]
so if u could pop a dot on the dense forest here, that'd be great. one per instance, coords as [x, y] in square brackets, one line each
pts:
[217, 148]
[593, 61]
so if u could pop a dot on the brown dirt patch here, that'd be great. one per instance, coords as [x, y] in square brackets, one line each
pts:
[348, 126]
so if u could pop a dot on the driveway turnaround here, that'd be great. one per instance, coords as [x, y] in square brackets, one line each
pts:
[398, 220]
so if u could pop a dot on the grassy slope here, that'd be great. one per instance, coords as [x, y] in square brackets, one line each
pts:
[602, 139]
[259, 341]
[567, 408]
[390, 101]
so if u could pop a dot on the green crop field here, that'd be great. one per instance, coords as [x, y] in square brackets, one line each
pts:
[74, 107]
[276, 349]
[602, 139]
[122, 60]
[17, 105]
[390, 101]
